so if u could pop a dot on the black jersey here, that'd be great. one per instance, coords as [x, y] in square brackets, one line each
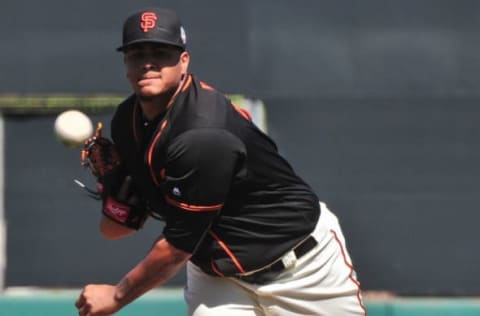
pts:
[219, 183]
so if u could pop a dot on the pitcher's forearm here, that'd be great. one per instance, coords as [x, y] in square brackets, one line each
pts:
[162, 262]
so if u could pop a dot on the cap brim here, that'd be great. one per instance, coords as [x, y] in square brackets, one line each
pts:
[147, 40]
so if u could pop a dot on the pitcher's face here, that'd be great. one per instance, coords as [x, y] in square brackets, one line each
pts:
[155, 69]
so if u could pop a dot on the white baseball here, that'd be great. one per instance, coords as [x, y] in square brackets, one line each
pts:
[73, 128]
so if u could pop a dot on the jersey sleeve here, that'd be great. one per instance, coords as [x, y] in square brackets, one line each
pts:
[200, 168]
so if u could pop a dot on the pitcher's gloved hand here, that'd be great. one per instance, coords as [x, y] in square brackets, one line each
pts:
[100, 154]
[125, 207]
[115, 187]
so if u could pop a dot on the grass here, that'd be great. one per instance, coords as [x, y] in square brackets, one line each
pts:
[18, 104]
[55, 103]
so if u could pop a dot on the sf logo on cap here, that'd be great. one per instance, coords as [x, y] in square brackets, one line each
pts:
[148, 21]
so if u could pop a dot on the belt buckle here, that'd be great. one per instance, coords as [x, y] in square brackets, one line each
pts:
[289, 260]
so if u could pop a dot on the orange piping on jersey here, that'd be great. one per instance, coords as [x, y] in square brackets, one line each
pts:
[150, 151]
[182, 87]
[351, 277]
[215, 269]
[206, 86]
[193, 208]
[187, 83]
[246, 115]
[229, 253]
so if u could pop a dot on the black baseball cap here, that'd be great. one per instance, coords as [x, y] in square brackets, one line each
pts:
[153, 25]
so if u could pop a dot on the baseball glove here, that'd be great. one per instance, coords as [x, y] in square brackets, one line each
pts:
[114, 185]
[125, 207]
[100, 154]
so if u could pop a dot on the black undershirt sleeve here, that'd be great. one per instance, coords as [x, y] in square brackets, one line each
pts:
[201, 165]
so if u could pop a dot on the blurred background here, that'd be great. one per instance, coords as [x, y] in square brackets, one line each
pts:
[375, 104]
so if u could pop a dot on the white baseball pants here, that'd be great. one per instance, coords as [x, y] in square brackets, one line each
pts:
[322, 282]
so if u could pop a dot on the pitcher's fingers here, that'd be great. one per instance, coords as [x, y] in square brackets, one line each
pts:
[80, 301]
[98, 131]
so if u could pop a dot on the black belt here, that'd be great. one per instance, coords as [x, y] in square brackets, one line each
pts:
[270, 272]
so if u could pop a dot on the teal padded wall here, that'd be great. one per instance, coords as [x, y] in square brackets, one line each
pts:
[170, 302]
